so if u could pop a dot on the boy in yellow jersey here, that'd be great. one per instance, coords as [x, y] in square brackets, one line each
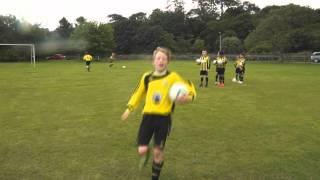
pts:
[87, 58]
[220, 63]
[153, 88]
[204, 67]
[240, 68]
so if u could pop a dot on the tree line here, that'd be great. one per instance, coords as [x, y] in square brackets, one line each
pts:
[239, 26]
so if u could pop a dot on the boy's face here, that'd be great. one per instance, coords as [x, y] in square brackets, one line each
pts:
[160, 62]
[204, 53]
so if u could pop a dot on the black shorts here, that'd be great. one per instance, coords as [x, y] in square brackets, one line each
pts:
[239, 70]
[157, 126]
[203, 73]
[88, 63]
[220, 71]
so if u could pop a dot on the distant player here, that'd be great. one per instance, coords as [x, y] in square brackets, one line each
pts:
[88, 58]
[240, 69]
[112, 59]
[220, 63]
[153, 89]
[204, 67]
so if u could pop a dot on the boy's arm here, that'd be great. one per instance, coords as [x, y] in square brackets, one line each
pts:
[209, 63]
[188, 97]
[135, 98]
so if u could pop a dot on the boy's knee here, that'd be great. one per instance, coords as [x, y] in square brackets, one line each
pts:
[158, 154]
[142, 150]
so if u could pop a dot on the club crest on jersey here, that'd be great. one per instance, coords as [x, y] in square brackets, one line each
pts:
[156, 98]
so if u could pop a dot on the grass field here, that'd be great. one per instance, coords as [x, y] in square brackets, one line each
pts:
[58, 121]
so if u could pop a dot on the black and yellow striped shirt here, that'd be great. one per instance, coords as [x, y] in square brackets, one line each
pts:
[221, 62]
[239, 63]
[204, 63]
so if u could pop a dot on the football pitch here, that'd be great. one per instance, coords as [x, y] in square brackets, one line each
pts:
[58, 121]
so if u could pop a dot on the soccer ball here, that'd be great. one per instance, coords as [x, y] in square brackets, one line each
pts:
[198, 61]
[234, 79]
[176, 90]
[219, 62]
[124, 67]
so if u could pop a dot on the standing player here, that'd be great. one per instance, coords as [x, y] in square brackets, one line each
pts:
[204, 67]
[240, 69]
[87, 58]
[112, 58]
[153, 89]
[220, 63]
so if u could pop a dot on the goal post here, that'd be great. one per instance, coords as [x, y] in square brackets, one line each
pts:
[32, 51]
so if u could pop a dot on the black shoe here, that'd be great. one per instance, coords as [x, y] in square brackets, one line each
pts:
[200, 85]
[206, 85]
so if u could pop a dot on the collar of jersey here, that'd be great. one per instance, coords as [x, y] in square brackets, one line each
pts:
[159, 77]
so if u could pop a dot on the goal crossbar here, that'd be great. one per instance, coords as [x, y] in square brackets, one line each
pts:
[32, 51]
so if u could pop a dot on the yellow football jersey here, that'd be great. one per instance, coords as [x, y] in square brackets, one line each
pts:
[87, 57]
[155, 91]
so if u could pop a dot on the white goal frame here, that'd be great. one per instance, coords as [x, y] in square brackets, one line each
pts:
[32, 51]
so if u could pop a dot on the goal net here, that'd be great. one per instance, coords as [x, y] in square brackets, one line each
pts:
[32, 50]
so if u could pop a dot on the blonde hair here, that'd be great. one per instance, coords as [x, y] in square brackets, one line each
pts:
[164, 50]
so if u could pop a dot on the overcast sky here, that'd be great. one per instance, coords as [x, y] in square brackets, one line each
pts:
[48, 13]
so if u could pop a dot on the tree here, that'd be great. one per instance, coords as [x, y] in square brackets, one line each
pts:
[206, 10]
[65, 28]
[148, 38]
[211, 6]
[232, 45]
[250, 8]
[172, 22]
[123, 33]
[282, 26]
[80, 20]
[93, 37]
[175, 5]
[114, 18]
[298, 40]
[15, 31]
[226, 4]
[8, 29]
[198, 45]
[138, 17]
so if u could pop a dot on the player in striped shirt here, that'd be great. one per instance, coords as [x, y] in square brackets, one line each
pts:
[220, 63]
[240, 69]
[204, 63]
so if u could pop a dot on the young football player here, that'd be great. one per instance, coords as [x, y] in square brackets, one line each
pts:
[240, 69]
[153, 88]
[112, 59]
[204, 67]
[87, 58]
[220, 63]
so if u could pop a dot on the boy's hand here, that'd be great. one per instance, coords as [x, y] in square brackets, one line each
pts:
[125, 115]
[183, 99]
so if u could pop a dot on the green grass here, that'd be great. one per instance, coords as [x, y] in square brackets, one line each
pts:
[58, 121]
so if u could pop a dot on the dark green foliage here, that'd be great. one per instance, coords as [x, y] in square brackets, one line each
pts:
[273, 29]
[286, 29]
